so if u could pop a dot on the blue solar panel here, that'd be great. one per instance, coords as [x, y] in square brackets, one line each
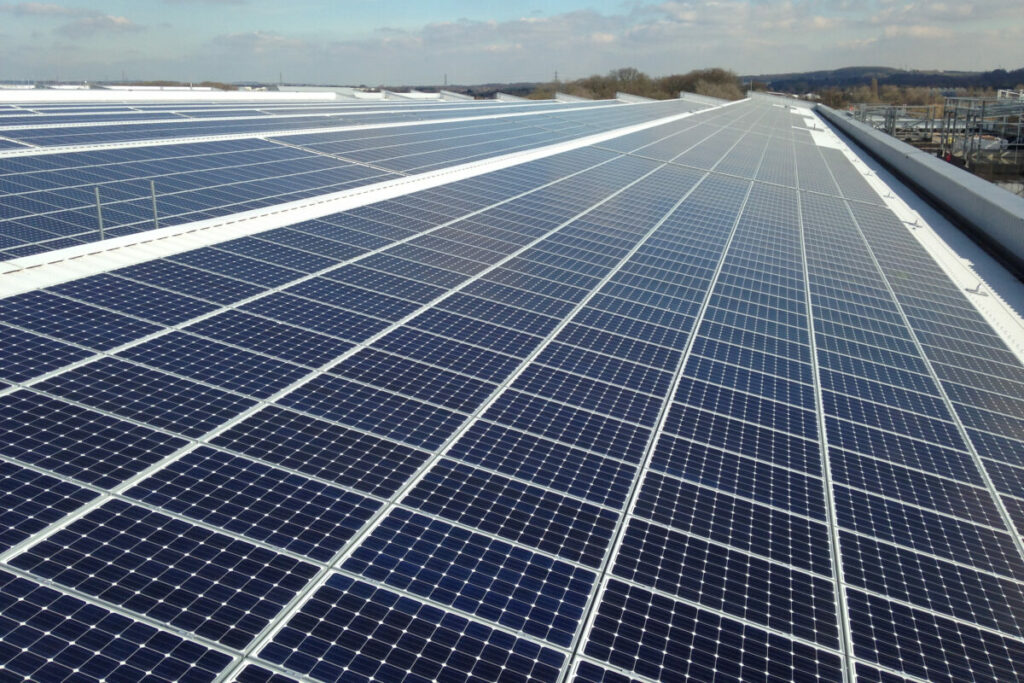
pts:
[411, 378]
[224, 366]
[733, 521]
[271, 338]
[316, 317]
[30, 501]
[448, 353]
[324, 449]
[257, 501]
[191, 281]
[72, 321]
[588, 672]
[76, 442]
[554, 523]
[381, 412]
[741, 585]
[281, 255]
[475, 574]
[375, 633]
[354, 298]
[186, 576]
[667, 639]
[386, 283]
[141, 301]
[603, 416]
[257, 674]
[48, 636]
[155, 398]
[28, 355]
[238, 267]
[943, 649]
[542, 461]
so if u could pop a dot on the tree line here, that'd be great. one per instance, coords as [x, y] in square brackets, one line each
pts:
[711, 82]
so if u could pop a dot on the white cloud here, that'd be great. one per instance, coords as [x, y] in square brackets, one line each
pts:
[917, 31]
[658, 37]
[85, 21]
[44, 9]
[261, 42]
[105, 23]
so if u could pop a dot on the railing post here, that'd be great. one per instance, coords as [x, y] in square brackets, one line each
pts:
[152, 189]
[99, 212]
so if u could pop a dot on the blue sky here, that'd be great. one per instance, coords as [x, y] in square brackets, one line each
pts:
[476, 41]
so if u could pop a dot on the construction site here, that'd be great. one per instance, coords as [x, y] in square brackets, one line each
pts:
[984, 135]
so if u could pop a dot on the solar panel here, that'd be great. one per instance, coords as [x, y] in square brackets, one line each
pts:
[691, 404]
[49, 201]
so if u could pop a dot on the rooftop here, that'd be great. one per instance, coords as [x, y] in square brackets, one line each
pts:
[517, 390]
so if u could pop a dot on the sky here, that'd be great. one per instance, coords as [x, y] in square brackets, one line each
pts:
[410, 42]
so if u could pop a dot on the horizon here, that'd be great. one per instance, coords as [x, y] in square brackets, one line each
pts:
[392, 41]
[500, 83]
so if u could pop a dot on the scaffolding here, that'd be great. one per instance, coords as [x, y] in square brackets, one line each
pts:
[916, 124]
[985, 135]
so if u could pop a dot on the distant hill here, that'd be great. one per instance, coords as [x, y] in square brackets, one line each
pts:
[852, 76]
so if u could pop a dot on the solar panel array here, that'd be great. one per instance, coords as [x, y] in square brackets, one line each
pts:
[61, 199]
[55, 125]
[689, 404]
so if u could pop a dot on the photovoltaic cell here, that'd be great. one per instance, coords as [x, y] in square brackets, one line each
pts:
[485, 334]
[296, 259]
[257, 501]
[375, 633]
[933, 583]
[569, 425]
[30, 501]
[354, 298]
[224, 366]
[76, 442]
[741, 585]
[322, 449]
[747, 526]
[141, 301]
[943, 650]
[271, 338]
[28, 355]
[590, 394]
[186, 576]
[238, 267]
[419, 380]
[929, 532]
[380, 412]
[745, 438]
[72, 321]
[257, 674]
[155, 398]
[386, 283]
[48, 636]
[553, 523]
[497, 581]
[315, 317]
[548, 463]
[936, 493]
[192, 281]
[661, 638]
[448, 353]
[738, 475]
